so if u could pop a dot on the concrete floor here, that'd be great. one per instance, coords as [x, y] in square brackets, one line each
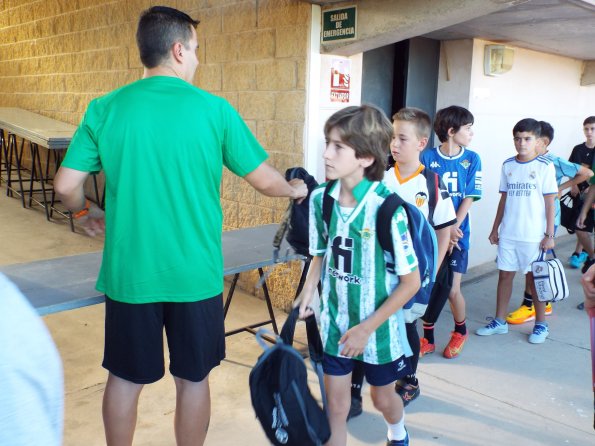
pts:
[501, 391]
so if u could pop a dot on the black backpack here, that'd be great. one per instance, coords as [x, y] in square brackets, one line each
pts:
[287, 411]
[294, 225]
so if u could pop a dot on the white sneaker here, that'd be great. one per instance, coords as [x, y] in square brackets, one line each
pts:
[494, 327]
[540, 333]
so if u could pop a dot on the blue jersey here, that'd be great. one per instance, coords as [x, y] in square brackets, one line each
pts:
[462, 176]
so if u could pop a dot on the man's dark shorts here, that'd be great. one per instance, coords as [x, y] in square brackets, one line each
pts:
[134, 339]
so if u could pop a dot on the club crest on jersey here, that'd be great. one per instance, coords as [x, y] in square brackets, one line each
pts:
[420, 199]
[465, 164]
[366, 233]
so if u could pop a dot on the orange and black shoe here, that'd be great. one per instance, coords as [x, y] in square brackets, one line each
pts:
[407, 391]
[425, 348]
[455, 345]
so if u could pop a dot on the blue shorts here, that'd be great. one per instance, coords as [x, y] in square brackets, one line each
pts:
[376, 374]
[459, 260]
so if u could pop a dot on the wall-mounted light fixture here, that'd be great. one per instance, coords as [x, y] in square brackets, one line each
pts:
[497, 60]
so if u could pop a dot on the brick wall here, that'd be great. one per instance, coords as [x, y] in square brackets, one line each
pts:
[57, 55]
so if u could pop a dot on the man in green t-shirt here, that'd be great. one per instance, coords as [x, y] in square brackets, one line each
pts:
[162, 144]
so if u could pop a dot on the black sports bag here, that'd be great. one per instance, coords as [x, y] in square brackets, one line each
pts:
[286, 409]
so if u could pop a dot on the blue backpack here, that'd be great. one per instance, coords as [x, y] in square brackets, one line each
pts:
[424, 242]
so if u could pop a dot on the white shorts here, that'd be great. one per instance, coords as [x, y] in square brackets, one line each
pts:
[517, 256]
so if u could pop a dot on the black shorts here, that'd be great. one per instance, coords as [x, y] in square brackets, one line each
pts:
[569, 214]
[134, 339]
[589, 223]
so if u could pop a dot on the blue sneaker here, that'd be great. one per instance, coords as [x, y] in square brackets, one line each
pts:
[576, 260]
[403, 442]
[540, 333]
[494, 327]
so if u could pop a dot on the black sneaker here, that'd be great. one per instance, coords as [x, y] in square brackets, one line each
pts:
[587, 265]
[580, 306]
[355, 409]
[407, 391]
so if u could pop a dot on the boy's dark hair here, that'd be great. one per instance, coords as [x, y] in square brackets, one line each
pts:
[453, 117]
[368, 131]
[589, 120]
[547, 131]
[419, 118]
[158, 29]
[529, 125]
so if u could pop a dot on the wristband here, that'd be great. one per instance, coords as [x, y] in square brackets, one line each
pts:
[549, 235]
[82, 212]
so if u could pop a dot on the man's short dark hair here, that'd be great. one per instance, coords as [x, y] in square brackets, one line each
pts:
[158, 29]
[453, 117]
[547, 131]
[589, 120]
[368, 131]
[529, 125]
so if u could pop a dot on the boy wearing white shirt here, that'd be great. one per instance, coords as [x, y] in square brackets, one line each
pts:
[524, 224]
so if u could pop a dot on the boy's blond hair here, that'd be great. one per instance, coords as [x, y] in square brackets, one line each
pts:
[419, 118]
[368, 131]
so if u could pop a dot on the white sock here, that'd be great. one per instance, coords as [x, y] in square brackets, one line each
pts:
[396, 431]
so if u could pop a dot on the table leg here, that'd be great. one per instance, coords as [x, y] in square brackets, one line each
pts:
[37, 175]
[267, 299]
[251, 328]
[230, 294]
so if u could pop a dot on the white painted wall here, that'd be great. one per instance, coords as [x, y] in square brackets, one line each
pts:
[318, 103]
[541, 86]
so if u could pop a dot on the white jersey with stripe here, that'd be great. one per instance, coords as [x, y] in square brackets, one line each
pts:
[414, 190]
[355, 282]
[525, 185]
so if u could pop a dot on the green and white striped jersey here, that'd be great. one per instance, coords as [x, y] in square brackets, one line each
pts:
[355, 281]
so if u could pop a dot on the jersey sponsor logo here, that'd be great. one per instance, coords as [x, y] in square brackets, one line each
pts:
[420, 199]
[520, 189]
[465, 164]
[434, 165]
[342, 249]
[478, 180]
[451, 181]
[348, 278]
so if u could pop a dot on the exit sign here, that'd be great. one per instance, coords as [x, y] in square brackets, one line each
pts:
[338, 24]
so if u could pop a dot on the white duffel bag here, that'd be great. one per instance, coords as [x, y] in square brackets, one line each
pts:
[550, 280]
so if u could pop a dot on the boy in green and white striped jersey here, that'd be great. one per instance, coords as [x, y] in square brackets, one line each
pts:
[359, 310]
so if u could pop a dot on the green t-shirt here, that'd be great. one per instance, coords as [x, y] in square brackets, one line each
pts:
[162, 144]
[355, 281]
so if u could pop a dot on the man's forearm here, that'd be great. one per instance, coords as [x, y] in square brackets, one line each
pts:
[68, 185]
[268, 181]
